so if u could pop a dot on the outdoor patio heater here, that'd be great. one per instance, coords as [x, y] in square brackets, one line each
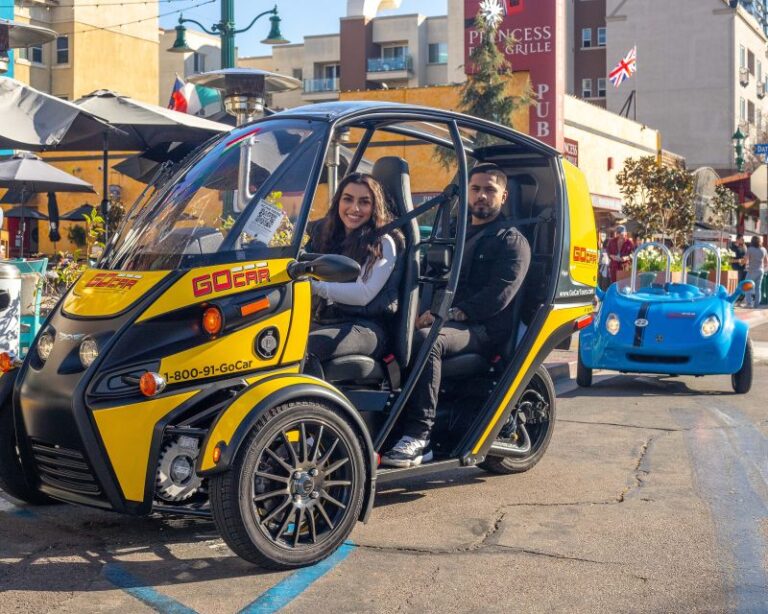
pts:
[244, 92]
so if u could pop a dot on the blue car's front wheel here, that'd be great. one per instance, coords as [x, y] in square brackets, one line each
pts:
[583, 373]
[742, 379]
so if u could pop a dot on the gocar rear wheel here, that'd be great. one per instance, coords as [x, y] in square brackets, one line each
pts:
[528, 431]
[742, 379]
[295, 490]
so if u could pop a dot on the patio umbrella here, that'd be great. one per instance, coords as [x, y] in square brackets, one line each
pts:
[28, 173]
[143, 167]
[142, 126]
[33, 120]
[78, 215]
[29, 214]
[13, 197]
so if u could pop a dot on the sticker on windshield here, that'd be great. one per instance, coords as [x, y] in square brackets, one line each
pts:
[264, 222]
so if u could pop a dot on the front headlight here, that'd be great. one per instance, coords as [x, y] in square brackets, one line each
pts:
[710, 326]
[612, 323]
[89, 351]
[44, 345]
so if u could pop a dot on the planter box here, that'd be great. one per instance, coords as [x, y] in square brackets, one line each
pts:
[729, 279]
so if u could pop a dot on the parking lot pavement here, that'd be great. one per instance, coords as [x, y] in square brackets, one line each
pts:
[650, 498]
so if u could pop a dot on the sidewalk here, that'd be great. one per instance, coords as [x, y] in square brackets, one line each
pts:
[561, 364]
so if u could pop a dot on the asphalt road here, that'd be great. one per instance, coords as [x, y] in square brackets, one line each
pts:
[653, 497]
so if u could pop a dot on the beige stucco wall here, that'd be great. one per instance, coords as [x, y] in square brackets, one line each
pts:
[171, 64]
[601, 136]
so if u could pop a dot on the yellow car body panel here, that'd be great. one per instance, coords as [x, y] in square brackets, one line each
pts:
[583, 258]
[212, 282]
[556, 319]
[232, 417]
[126, 432]
[102, 294]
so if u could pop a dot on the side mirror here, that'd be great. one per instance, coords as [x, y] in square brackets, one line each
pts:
[5, 299]
[328, 267]
[745, 286]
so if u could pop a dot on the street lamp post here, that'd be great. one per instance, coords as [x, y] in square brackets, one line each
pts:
[225, 28]
[738, 148]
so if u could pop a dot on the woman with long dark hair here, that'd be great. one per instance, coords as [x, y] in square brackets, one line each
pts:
[352, 316]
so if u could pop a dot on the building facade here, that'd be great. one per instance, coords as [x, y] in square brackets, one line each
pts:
[97, 48]
[701, 70]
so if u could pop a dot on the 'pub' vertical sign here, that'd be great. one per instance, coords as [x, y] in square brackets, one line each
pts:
[532, 37]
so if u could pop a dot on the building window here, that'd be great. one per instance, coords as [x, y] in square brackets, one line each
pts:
[751, 62]
[62, 50]
[394, 52]
[198, 62]
[586, 88]
[586, 38]
[331, 71]
[759, 71]
[297, 73]
[742, 109]
[751, 112]
[601, 85]
[742, 56]
[602, 37]
[438, 53]
[31, 54]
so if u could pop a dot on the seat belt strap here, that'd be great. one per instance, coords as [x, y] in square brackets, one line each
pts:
[441, 198]
[393, 371]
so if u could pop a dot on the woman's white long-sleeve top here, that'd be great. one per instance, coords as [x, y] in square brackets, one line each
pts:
[361, 291]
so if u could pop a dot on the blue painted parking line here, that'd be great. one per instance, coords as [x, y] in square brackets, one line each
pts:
[146, 594]
[285, 591]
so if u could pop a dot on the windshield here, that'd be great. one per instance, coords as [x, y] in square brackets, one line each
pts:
[239, 200]
[653, 283]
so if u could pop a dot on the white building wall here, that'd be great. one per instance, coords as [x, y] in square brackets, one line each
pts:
[687, 76]
[436, 32]
[405, 30]
[605, 139]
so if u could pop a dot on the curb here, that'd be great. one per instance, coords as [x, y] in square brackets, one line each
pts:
[561, 370]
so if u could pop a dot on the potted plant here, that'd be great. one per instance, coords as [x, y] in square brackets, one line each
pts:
[728, 277]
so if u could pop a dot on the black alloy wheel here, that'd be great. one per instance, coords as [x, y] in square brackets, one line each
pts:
[527, 433]
[741, 381]
[296, 487]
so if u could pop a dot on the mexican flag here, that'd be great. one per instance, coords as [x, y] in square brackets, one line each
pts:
[191, 98]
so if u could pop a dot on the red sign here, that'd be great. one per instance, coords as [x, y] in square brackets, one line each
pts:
[571, 151]
[532, 38]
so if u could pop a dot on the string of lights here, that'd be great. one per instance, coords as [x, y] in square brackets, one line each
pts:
[94, 3]
[128, 23]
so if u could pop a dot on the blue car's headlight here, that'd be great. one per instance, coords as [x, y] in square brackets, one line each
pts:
[612, 323]
[710, 326]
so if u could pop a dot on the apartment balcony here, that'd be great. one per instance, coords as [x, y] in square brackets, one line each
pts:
[389, 69]
[761, 89]
[321, 89]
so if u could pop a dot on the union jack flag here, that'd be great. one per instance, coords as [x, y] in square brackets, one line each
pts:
[625, 68]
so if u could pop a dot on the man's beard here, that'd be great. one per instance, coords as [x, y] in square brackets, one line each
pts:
[482, 212]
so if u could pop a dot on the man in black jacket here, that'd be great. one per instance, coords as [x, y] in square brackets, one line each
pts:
[496, 260]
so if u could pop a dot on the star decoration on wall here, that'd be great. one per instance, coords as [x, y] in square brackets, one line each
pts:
[492, 12]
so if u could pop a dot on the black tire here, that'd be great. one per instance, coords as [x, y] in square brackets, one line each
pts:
[274, 485]
[537, 429]
[742, 379]
[583, 373]
[13, 480]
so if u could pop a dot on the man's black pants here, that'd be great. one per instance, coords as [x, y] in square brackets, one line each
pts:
[454, 338]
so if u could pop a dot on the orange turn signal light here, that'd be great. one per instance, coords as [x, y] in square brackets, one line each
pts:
[6, 362]
[217, 454]
[151, 384]
[748, 286]
[254, 307]
[213, 321]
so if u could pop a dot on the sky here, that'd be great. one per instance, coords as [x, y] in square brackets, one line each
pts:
[299, 18]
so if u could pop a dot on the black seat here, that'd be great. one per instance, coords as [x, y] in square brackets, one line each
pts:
[393, 174]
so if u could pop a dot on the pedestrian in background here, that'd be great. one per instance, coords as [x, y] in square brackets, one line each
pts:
[620, 250]
[604, 276]
[739, 260]
[757, 263]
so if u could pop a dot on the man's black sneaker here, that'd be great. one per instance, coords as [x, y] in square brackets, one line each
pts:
[408, 452]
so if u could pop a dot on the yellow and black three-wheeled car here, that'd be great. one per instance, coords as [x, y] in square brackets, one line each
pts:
[169, 379]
